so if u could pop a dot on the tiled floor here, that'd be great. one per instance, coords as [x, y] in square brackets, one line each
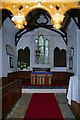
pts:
[22, 104]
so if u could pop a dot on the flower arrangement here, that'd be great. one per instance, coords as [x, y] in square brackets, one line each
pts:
[21, 65]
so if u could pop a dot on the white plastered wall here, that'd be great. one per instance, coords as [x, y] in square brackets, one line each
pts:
[8, 38]
[55, 40]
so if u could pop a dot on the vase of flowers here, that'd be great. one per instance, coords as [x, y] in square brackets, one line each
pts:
[21, 65]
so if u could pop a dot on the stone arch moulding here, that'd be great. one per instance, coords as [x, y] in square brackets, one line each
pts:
[21, 8]
[39, 7]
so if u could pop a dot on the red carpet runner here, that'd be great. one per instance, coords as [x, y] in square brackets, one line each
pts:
[43, 106]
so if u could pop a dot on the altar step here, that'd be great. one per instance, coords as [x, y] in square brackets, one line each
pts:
[33, 90]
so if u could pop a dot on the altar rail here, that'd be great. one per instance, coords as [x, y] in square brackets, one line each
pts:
[50, 78]
[57, 78]
[25, 76]
[61, 78]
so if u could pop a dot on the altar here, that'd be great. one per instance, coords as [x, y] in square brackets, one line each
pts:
[41, 78]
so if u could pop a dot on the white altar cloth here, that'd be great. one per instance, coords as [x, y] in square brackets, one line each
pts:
[73, 90]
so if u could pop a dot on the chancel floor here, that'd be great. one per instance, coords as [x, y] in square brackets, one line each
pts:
[22, 104]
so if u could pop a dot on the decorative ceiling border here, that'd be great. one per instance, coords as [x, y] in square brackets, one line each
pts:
[56, 9]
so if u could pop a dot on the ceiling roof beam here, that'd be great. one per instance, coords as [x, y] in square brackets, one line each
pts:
[42, 25]
[75, 15]
[79, 21]
[50, 27]
[17, 37]
[76, 22]
[63, 36]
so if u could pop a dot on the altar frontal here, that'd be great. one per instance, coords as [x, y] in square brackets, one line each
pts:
[41, 78]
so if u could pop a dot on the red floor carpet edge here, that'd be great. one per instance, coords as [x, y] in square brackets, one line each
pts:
[43, 106]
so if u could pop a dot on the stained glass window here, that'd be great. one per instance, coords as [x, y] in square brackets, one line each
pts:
[42, 47]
